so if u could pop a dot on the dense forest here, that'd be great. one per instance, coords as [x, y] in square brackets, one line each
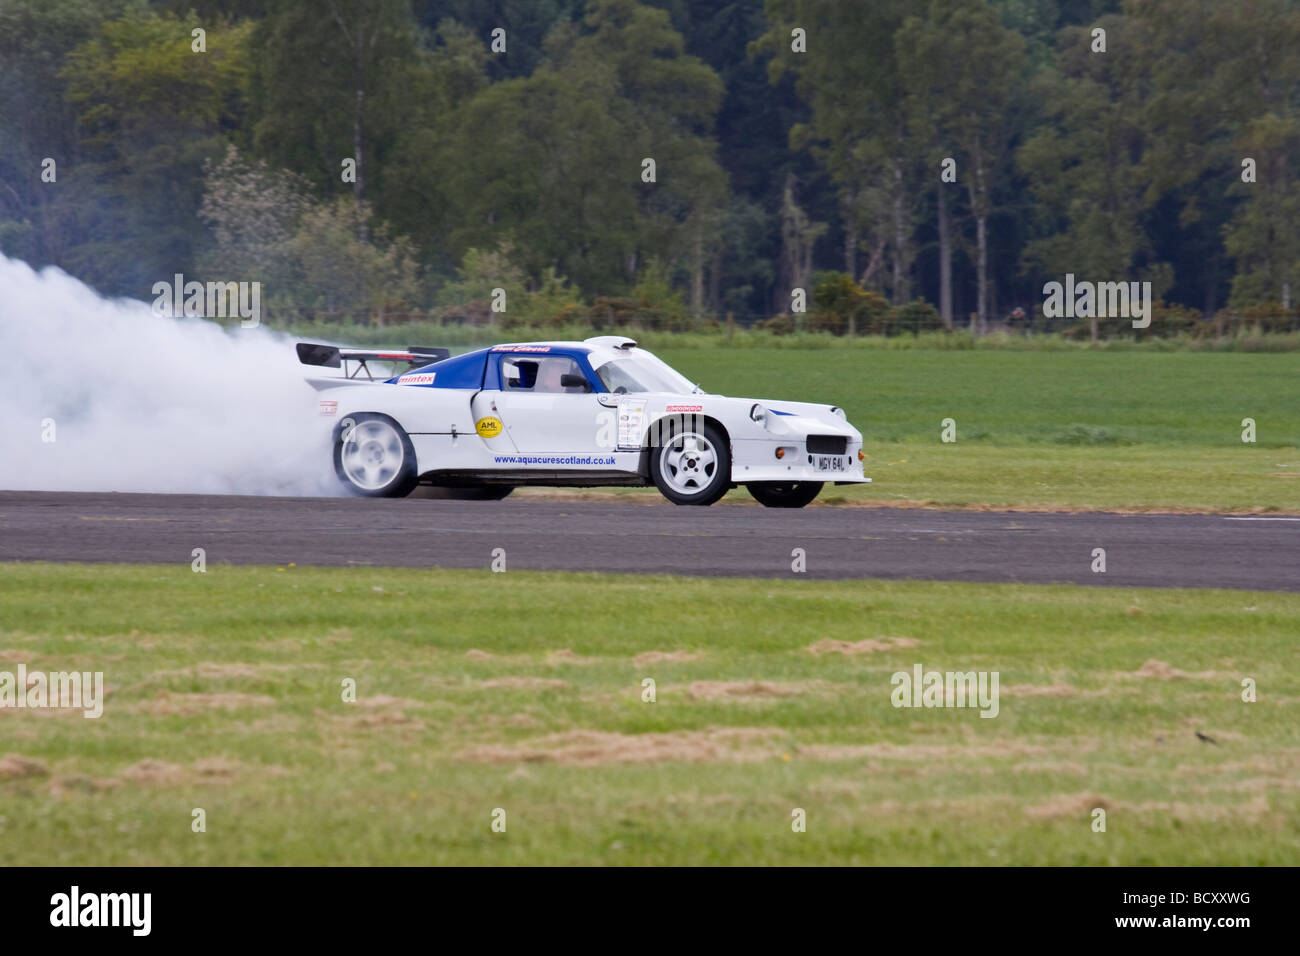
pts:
[698, 159]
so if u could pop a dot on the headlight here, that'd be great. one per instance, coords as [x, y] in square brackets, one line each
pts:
[758, 413]
[839, 412]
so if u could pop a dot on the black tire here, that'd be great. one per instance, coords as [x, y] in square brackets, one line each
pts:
[686, 479]
[784, 494]
[480, 493]
[373, 456]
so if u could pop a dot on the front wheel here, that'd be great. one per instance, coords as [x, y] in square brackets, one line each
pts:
[373, 457]
[784, 494]
[692, 466]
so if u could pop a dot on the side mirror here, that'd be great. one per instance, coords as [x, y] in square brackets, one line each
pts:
[569, 380]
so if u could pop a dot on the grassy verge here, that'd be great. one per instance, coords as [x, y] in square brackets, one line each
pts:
[1055, 429]
[523, 692]
[462, 337]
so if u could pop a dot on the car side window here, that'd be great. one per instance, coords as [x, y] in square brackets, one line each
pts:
[519, 374]
[544, 374]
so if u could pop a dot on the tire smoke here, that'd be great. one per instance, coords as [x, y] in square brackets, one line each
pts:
[104, 395]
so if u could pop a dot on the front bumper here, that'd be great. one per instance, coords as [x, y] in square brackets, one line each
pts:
[755, 460]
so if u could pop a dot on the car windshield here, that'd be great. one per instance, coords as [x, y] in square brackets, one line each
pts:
[642, 373]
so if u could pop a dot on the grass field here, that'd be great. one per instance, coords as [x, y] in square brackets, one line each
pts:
[1080, 429]
[523, 691]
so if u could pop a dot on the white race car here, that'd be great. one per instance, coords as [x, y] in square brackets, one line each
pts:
[591, 413]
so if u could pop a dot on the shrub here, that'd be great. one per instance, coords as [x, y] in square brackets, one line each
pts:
[915, 317]
[782, 324]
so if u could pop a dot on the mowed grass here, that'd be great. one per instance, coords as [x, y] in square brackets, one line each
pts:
[523, 692]
[1082, 429]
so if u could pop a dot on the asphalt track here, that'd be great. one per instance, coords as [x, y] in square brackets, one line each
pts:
[1161, 550]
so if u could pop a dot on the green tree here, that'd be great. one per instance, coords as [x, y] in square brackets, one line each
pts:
[413, 188]
[36, 121]
[347, 264]
[331, 84]
[1086, 166]
[553, 162]
[963, 69]
[254, 212]
[1257, 76]
[311, 255]
[859, 128]
[150, 111]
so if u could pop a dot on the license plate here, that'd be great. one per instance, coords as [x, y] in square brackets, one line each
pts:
[828, 463]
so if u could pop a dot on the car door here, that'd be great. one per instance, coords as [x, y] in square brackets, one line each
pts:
[547, 406]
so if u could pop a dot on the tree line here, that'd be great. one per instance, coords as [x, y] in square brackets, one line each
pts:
[939, 160]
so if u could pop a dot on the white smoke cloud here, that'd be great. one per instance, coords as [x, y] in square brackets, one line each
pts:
[142, 402]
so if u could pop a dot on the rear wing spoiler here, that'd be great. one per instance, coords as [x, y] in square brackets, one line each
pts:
[330, 356]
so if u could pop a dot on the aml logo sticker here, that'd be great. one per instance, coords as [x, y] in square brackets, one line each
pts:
[134, 910]
[488, 427]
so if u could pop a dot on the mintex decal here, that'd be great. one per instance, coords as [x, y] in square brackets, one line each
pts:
[488, 427]
[329, 408]
[631, 422]
[521, 348]
[418, 378]
[684, 408]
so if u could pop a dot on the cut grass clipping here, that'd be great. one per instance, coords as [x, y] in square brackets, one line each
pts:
[524, 693]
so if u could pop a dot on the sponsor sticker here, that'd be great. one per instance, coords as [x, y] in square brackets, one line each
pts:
[631, 422]
[329, 408]
[521, 348]
[684, 408]
[489, 427]
[417, 378]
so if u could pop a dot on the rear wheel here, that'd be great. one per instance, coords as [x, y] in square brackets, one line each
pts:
[692, 464]
[784, 494]
[373, 456]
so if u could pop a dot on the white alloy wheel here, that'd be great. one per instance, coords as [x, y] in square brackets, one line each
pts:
[374, 457]
[688, 463]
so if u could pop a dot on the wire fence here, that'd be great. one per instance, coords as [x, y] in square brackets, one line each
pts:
[900, 320]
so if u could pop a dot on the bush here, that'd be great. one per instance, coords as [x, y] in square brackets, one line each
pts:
[782, 324]
[873, 313]
[1172, 320]
[612, 313]
[830, 322]
[477, 313]
[915, 317]
[841, 306]
[1259, 318]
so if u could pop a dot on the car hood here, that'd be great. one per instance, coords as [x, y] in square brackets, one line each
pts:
[784, 418]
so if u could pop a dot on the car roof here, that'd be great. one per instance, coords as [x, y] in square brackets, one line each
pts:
[599, 349]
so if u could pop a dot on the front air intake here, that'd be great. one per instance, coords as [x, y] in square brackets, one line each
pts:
[827, 444]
